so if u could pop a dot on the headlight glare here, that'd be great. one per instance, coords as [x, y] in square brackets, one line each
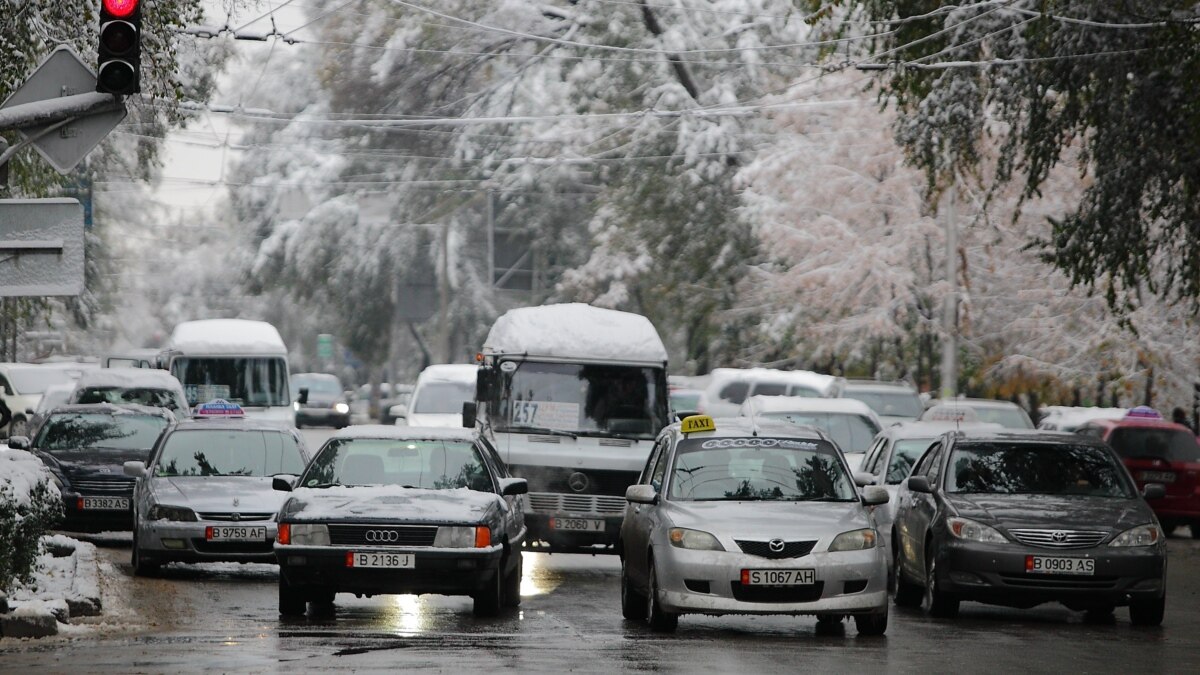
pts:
[969, 530]
[341, 408]
[1142, 535]
[180, 514]
[454, 537]
[696, 540]
[309, 534]
[854, 540]
[295, 405]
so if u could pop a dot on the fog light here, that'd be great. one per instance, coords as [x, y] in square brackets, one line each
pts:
[965, 578]
[174, 544]
[466, 564]
[297, 560]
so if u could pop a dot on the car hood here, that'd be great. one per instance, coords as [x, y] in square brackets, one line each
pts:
[392, 503]
[1050, 511]
[453, 420]
[769, 520]
[219, 494]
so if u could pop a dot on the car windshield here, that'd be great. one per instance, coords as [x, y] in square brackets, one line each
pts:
[583, 398]
[160, 398]
[431, 464]
[1035, 468]
[852, 432]
[776, 469]
[99, 431]
[229, 452]
[905, 454]
[317, 385]
[35, 380]
[443, 398]
[888, 403]
[252, 381]
[1171, 445]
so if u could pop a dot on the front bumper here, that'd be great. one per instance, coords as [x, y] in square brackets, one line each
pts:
[848, 582]
[995, 574]
[444, 571]
[173, 541]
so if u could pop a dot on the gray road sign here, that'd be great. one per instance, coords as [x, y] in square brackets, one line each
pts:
[64, 74]
[41, 247]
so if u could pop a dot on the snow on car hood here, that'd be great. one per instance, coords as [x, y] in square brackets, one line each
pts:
[392, 502]
[218, 494]
[757, 520]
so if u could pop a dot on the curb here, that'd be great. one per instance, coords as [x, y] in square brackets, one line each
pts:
[84, 598]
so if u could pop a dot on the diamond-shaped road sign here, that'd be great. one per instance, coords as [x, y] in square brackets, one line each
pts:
[64, 74]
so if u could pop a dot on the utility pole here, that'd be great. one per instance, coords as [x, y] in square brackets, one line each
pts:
[950, 341]
[444, 296]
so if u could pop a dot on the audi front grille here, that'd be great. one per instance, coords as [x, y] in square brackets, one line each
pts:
[382, 535]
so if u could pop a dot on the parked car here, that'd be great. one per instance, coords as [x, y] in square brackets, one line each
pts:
[85, 447]
[750, 516]
[54, 396]
[383, 510]
[1005, 413]
[1157, 451]
[22, 385]
[892, 401]
[320, 399]
[729, 388]
[438, 398]
[1021, 518]
[131, 386]
[206, 494]
[1070, 418]
[850, 423]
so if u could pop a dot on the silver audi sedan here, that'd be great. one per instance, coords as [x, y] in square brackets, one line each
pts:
[206, 494]
[745, 516]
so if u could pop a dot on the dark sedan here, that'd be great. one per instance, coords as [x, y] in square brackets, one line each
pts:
[86, 447]
[1023, 518]
[384, 510]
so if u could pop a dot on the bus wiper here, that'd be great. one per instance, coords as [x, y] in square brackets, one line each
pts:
[617, 434]
[544, 430]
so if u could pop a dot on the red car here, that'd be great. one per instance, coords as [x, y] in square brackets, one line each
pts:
[1158, 451]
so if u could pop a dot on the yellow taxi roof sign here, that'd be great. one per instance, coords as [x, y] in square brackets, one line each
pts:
[694, 423]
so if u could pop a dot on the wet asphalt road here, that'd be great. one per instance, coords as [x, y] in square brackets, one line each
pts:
[223, 618]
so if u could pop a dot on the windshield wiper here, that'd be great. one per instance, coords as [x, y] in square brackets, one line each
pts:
[543, 430]
[617, 434]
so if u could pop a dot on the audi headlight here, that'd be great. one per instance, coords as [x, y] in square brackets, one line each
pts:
[177, 513]
[854, 540]
[969, 530]
[463, 537]
[307, 534]
[1142, 535]
[696, 540]
[341, 408]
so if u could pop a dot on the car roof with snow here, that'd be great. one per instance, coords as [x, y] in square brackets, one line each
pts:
[129, 377]
[381, 431]
[236, 423]
[1068, 418]
[112, 409]
[227, 336]
[576, 331]
[739, 427]
[807, 377]
[449, 372]
[932, 429]
[802, 404]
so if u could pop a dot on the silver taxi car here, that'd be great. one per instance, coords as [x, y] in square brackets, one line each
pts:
[745, 516]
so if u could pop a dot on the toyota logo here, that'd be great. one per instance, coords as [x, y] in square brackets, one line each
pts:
[578, 482]
[1059, 536]
[381, 536]
[776, 545]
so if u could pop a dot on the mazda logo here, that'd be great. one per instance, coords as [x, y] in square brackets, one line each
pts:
[1059, 536]
[381, 536]
[776, 545]
[578, 482]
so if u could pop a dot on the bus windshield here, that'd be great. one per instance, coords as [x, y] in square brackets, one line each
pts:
[260, 381]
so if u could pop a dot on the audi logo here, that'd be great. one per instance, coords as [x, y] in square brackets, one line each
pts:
[776, 545]
[381, 536]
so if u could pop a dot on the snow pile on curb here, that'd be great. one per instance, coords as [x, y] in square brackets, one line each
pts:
[65, 584]
[30, 504]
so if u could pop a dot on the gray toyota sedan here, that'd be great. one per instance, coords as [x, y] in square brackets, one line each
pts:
[744, 516]
[1020, 518]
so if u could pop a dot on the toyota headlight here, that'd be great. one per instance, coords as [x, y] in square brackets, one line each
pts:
[696, 540]
[1142, 535]
[341, 408]
[969, 530]
[306, 534]
[177, 513]
[854, 540]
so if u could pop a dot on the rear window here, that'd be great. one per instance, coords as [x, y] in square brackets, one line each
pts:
[770, 389]
[1171, 445]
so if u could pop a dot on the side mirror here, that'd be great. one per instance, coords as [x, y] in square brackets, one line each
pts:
[30, 412]
[863, 479]
[468, 413]
[1154, 491]
[19, 442]
[919, 484]
[641, 494]
[511, 487]
[135, 469]
[485, 383]
[303, 396]
[283, 483]
[873, 495]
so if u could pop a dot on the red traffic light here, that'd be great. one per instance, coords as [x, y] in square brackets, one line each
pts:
[120, 8]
